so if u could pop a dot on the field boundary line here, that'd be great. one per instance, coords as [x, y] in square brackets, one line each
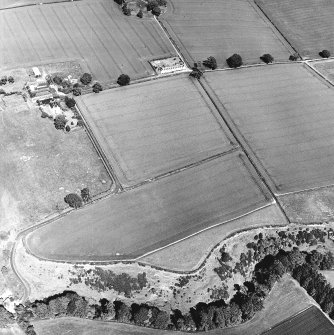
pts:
[254, 161]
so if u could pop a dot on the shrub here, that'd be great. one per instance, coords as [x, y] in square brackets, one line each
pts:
[3, 80]
[80, 123]
[60, 122]
[123, 80]
[156, 11]
[267, 58]
[76, 91]
[234, 61]
[68, 128]
[10, 79]
[151, 4]
[211, 63]
[324, 54]
[126, 10]
[73, 200]
[57, 80]
[97, 87]
[70, 102]
[85, 194]
[86, 78]
[196, 73]
[293, 57]
[140, 14]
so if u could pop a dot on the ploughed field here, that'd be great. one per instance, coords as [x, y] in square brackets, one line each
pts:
[221, 28]
[94, 31]
[143, 219]
[285, 114]
[310, 322]
[152, 128]
[307, 24]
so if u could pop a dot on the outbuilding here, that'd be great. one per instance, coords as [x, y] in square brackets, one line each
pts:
[36, 71]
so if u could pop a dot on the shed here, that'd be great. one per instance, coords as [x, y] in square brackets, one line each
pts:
[36, 71]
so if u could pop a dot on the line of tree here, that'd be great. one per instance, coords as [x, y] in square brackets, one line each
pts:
[247, 300]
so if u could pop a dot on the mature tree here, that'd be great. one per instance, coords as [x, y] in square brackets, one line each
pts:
[73, 200]
[123, 312]
[70, 102]
[159, 319]
[60, 122]
[156, 11]
[119, 2]
[86, 78]
[123, 80]
[76, 91]
[225, 257]
[140, 14]
[234, 61]
[151, 4]
[324, 54]
[211, 63]
[97, 87]
[140, 314]
[85, 194]
[267, 58]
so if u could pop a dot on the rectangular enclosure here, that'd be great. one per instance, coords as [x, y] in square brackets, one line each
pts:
[285, 114]
[155, 127]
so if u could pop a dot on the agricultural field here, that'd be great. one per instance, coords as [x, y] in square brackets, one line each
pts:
[18, 3]
[222, 28]
[134, 222]
[151, 128]
[306, 24]
[309, 322]
[284, 115]
[94, 31]
[326, 68]
[190, 253]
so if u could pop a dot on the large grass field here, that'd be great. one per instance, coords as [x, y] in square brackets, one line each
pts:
[221, 28]
[39, 165]
[307, 24]
[155, 214]
[285, 114]
[95, 31]
[151, 128]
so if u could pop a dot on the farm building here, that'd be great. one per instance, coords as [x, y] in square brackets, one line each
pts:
[168, 65]
[36, 72]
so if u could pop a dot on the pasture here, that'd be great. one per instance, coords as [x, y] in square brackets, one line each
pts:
[137, 221]
[306, 24]
[309, 322]
[39, 165]
[94, 31]
[152, 128]
[284, 114]
[221, 28]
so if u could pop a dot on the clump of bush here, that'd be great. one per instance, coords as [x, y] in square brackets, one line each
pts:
[3, 80]
[76, 91]
[73, 200]
[162, 3]
[123, 80]
[86, 78]
[196, 73]
[60, 122]
[97, 87]
[211, 63]
[10, 79]
[324, 54]
[126, 10]
[57, 80]
[234, 61]
[267, 58]
[85, 195]
[151, 4]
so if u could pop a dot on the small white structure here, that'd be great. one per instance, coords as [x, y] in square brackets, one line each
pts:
[36, 71]
[168, 65]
